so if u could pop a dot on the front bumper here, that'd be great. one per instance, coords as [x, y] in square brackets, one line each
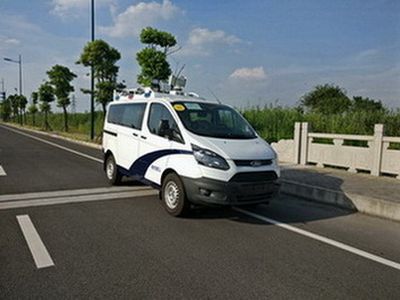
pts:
[211, 191]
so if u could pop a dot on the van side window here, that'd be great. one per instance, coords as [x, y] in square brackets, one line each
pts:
[159, 117]
[129, 115]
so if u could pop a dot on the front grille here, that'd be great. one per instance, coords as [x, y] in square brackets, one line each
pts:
[252, 162]
[254, 176]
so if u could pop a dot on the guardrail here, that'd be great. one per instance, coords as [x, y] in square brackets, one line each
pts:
[355, 153]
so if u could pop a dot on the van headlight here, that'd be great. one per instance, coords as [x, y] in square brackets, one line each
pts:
[209, 158]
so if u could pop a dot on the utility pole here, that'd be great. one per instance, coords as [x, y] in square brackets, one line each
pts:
[20, 75]
[73, 104]
[3, 93]
[92, 84]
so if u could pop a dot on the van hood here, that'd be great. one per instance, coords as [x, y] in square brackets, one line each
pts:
[237, 149]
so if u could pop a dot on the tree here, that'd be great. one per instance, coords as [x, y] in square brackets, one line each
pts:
[32, 109]
[326, 99]
[103, 58]
[153, 58]
[155, 38]
[365, 104]
[60, 79]
[46, 96]
[14, 102]
[5, 109]
[22, 102]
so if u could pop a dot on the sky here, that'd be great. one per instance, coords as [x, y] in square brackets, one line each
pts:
[246, 53]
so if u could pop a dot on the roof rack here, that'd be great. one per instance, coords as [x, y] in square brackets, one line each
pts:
[159, 88]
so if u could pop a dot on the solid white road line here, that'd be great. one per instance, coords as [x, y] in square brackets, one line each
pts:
[39, 252]
[55, 145]
[322, 239]
[2, 172]
[77, 199]
[78, 192]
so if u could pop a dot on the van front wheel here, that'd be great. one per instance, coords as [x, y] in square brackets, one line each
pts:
[113, 175]
[173, 196]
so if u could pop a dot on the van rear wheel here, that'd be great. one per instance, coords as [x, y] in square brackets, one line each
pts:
[174, 196]
[113, 175]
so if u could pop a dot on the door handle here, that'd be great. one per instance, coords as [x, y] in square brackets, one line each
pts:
[143, 137]
[134, 134]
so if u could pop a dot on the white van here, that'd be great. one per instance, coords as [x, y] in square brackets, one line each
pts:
[192, 150]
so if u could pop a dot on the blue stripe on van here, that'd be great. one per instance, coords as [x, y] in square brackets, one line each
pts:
[139, 167]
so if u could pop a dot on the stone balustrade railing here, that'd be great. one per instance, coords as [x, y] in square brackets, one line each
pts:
[374, 154]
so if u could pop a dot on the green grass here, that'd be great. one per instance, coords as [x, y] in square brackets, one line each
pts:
[275, 123]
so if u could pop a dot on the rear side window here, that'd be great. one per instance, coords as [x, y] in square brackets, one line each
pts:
[129, 115]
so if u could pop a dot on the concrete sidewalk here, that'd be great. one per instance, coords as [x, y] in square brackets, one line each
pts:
[378, 196]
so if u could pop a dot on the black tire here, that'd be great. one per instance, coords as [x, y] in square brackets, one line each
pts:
[113, 175]
[176, 205]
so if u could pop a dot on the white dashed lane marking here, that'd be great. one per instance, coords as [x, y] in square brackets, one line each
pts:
[2, 172]
[73, 196]
[38, 250]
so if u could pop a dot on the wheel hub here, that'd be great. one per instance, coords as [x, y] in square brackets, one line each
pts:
[171, 195]
[110, 170]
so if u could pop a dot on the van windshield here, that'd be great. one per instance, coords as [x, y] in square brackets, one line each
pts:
[213, 120]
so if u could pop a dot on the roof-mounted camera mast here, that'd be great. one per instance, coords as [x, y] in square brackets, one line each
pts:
[174, 86]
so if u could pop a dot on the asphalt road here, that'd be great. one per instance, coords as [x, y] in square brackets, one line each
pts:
[120, 243]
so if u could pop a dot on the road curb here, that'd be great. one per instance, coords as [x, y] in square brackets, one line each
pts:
[53, 135]
[354, 202]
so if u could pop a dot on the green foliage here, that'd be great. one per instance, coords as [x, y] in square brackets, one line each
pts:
[32, 109]
[79, 123]
[5, 110]
[326, 99]
[35, 97]
[365, 104]
[103, 58]
[275, 123]
[154, 66]
[46, 96]
[60, 79]
[22, 102]
[154, 37]
[153, 58]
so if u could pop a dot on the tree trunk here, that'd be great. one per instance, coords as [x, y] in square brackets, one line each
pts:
[104, 109]
[65, 119]
[33, 120]
[46, 124]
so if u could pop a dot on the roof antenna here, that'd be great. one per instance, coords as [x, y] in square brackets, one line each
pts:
[216, 98]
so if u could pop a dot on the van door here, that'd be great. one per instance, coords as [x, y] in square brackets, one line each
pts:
[129, 133]
[154, 142]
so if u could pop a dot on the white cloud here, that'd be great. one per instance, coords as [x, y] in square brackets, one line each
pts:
[135, 17]
[256, 73]
[66, 8]
[367, 54]
[7, 42]
[202, 40]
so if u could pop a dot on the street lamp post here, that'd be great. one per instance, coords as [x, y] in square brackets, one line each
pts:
[92, 83]
[19, 62]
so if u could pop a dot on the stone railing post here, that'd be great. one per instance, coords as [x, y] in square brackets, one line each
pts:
[377, 152]
[297, 142]
[304, 143]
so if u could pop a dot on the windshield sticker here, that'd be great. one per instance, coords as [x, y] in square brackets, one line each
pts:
[193, 106]
[179, 107]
